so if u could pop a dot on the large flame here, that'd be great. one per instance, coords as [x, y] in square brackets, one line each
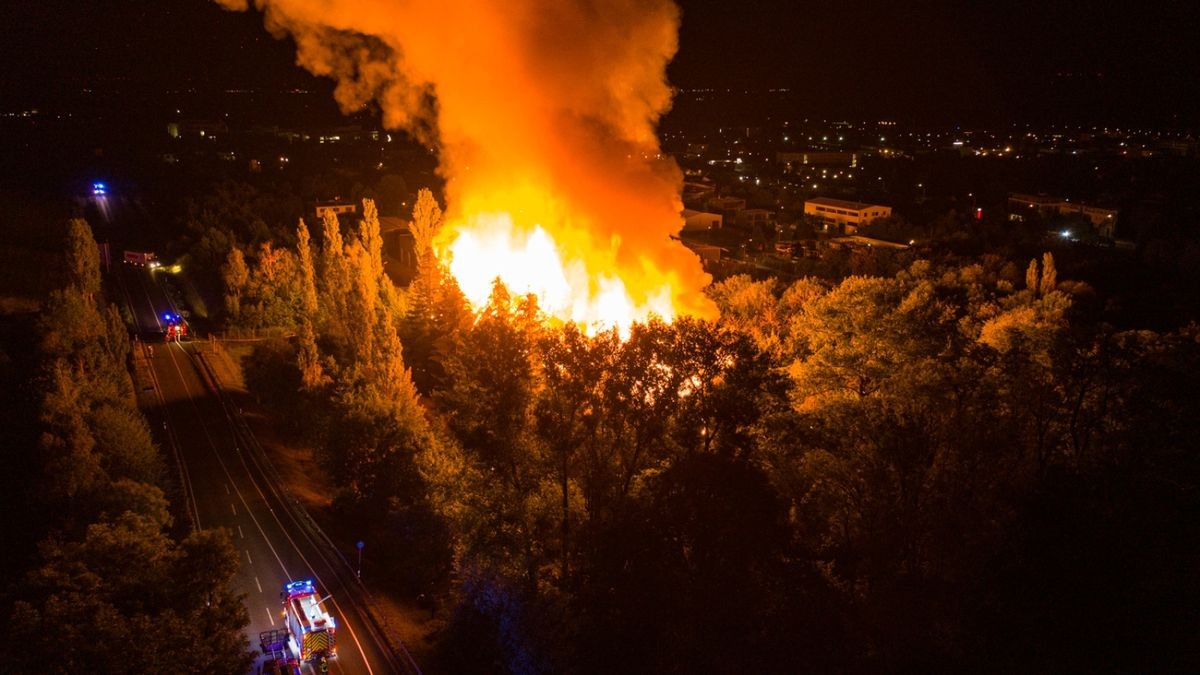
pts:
[544, 116]
[528, 261]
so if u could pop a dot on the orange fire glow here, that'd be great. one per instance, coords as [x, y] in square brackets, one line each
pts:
[529, 261]
[544, 118]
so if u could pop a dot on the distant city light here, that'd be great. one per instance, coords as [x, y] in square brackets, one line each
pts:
[1065, 234]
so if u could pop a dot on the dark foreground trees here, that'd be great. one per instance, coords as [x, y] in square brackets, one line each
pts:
[111, 589]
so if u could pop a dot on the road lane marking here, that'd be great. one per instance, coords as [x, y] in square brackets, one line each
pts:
[248, 558]
[258, 584]
[270, 615]
[254, 482]
[240, 533]
[233, 508]
[227, 489]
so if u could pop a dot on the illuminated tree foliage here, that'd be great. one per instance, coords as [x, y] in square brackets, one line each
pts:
[905, 471]
[83, 258]
[333, 280]
[904, 437]
[235, 276]
[308, 357]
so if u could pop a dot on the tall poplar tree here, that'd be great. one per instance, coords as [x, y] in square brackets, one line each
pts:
[307, 355]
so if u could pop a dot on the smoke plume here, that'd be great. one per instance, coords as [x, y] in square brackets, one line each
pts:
[542, 112]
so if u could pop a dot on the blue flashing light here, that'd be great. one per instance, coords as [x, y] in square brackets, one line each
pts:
[99, 188]
[303, 587]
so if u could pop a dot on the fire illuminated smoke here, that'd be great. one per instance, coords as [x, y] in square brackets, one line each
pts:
[544, 116]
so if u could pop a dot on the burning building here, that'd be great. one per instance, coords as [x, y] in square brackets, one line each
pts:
[544, 117]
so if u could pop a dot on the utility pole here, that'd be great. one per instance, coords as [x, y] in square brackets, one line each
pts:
[360, 548]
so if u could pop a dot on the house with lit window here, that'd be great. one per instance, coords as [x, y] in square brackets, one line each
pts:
[842, 215]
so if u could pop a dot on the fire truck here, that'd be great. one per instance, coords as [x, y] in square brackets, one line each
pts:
[312, 628]
[176, 331]
[275, 647]
[142, 258]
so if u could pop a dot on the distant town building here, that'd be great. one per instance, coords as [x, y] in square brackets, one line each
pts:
[1021, 205]
[1183, 147]
[728, 207]
[700, 221]
[844, 215]
[334, 207]
[695, 193]
[859, 242]
[751, 218]
[197, 129]
[794, 161]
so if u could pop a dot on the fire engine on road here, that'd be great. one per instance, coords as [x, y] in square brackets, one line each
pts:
[313, 630]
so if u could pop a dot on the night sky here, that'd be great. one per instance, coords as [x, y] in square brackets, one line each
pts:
[1057, 60]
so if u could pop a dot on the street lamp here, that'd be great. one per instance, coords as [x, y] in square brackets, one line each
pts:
[359, 545]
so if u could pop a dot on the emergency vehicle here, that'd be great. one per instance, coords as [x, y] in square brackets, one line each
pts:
[176, 331]
[313, 629]
[142, 258]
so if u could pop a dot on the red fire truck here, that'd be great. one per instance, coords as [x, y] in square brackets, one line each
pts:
[176, 328]
[313, 629]
[142, 258]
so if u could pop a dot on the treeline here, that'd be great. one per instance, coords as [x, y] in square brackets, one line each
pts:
[211, 218]
[115, 585]
[948, 468]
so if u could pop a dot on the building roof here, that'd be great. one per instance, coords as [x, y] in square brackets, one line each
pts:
[1035, 199]
[1046, 200]
[688, 213]
[857, 240]
[843, 204]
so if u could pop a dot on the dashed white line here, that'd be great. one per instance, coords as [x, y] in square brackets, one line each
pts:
[240, 533]
[248, 558]
[233, 508]
[250, 512]
[258, 584]
[227, 489]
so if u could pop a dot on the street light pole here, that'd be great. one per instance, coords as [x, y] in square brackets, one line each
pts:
[360, 548]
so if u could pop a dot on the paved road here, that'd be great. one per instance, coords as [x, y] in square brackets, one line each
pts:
[227, 486]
